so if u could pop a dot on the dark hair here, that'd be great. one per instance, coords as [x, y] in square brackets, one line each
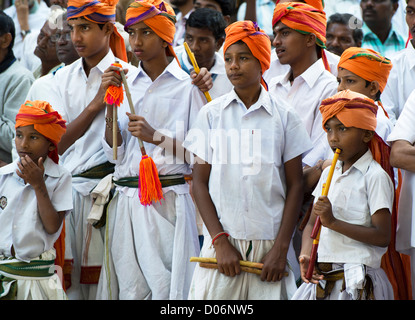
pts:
[227, 7]
[344, 19]
[7, 26]
[206, 18]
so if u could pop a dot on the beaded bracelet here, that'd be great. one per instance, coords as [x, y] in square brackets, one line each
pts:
[218, 235]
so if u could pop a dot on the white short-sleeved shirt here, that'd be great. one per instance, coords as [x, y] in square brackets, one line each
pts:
[305, 95]
[247, 149]
[20, 223]
[401, 82]
[404, 130]
[170, 105]
[355, 196]
[71, 93]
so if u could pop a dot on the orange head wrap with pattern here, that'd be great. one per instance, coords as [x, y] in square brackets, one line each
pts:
[256, 39]
[305, 19]
[99, 12]
[45, 120]
[156, 14]
[319, 4]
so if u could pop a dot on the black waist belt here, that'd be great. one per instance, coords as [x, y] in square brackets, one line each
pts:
[165, 180]
[97, 172]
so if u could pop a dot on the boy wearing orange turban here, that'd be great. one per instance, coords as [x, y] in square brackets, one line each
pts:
[41, 190]
[356, 213]
[249, 205]
[151, 259]
[80, 90]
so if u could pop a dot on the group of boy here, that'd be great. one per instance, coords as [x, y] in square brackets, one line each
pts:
[143, 252]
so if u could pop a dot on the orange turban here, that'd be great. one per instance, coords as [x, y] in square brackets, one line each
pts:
[45, 120]
[367, 64]
[319, 4]
[99, 12]
[256, 40]
[156, 14]
[305, 19]
[356, 110]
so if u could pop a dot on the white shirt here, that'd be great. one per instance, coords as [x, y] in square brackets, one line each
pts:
[70, 95]
[404, 130]
[20, 222]
[401, 82]
[305, 95]
[221, 83]
[278, 69]
[355, 196]
[247, 149]
[180, 28]
[170, 105]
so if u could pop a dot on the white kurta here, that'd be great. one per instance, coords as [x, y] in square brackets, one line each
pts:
[148, 247]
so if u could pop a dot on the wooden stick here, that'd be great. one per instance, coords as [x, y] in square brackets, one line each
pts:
[195, 67]
[315, 233]
[241, 262]
[114, 132]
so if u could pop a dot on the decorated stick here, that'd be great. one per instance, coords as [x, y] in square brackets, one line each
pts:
[195, 67]
[149, 182]
[315, 233]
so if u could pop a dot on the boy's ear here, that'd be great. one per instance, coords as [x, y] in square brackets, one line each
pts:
[52, 147]
[108, 28]
[5, 40]
[368, 135]
[219, 43]
[374, 88]
[311, 39]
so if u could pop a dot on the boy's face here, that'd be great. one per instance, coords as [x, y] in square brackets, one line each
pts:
[350, 140]
[88, 39]
[339, 37]
[31, 143]
[203, 44]
[351, 81]
[242, 68]
[145, 43]
[410, 17]
[289, 44]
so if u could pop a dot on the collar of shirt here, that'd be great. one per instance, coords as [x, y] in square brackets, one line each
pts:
[263, 101]
[51, 168]
[370, 35]
[172, 68]
[101, 66]
[410, 54]
[362, 164]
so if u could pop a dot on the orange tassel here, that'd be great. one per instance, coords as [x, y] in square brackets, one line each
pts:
[149, 183]
[114, 95]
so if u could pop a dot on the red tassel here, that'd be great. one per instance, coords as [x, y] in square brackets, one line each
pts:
[149, 183]
[114, 95]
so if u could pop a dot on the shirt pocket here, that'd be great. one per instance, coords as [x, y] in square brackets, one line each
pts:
[353, 208]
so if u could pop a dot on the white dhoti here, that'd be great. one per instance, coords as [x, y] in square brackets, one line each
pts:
[209, 284]
[147, 248]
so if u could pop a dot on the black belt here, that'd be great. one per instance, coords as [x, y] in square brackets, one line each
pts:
[98, 172]
[165, 180]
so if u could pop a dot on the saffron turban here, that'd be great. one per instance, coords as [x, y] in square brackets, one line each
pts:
[356, 110]
[99, 12]
[319, 4]
[367, 64]
[156, 14]
[45, 120]
[256, 40]
[305, 19]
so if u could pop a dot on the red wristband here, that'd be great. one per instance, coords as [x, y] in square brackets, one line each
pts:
[218, 235]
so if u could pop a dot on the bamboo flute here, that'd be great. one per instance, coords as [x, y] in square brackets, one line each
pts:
[195, 67]
[315, 233]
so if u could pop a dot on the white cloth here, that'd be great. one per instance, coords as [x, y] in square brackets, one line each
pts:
[382, 289]
[305, 95]
[264, 12]
[21, 225]
[36, 22]
[355, 196]
[100, 196]
[248, 147]
[180, 28]
[210, 284]
[401, 82]
[221, 83]
[29, 60]
[149, 256]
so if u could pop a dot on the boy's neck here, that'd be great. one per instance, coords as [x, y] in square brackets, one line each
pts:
[89, 63]
[154, 68]
[301, 66]
[249, 96]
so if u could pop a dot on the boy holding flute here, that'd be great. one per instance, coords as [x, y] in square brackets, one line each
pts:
[356, 213]
[249, 205]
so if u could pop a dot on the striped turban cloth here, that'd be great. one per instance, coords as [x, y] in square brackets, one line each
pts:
[99, 12]
[45, 120]
[256, 40]
[156, 14]
[305, 19]
[318, 4]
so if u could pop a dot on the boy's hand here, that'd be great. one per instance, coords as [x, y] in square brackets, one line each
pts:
[274, 266]
[304, 261]
[140, 128]
[31, 172]
[322, 208]
[202, 80]
[110, 77]
[227, 257]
